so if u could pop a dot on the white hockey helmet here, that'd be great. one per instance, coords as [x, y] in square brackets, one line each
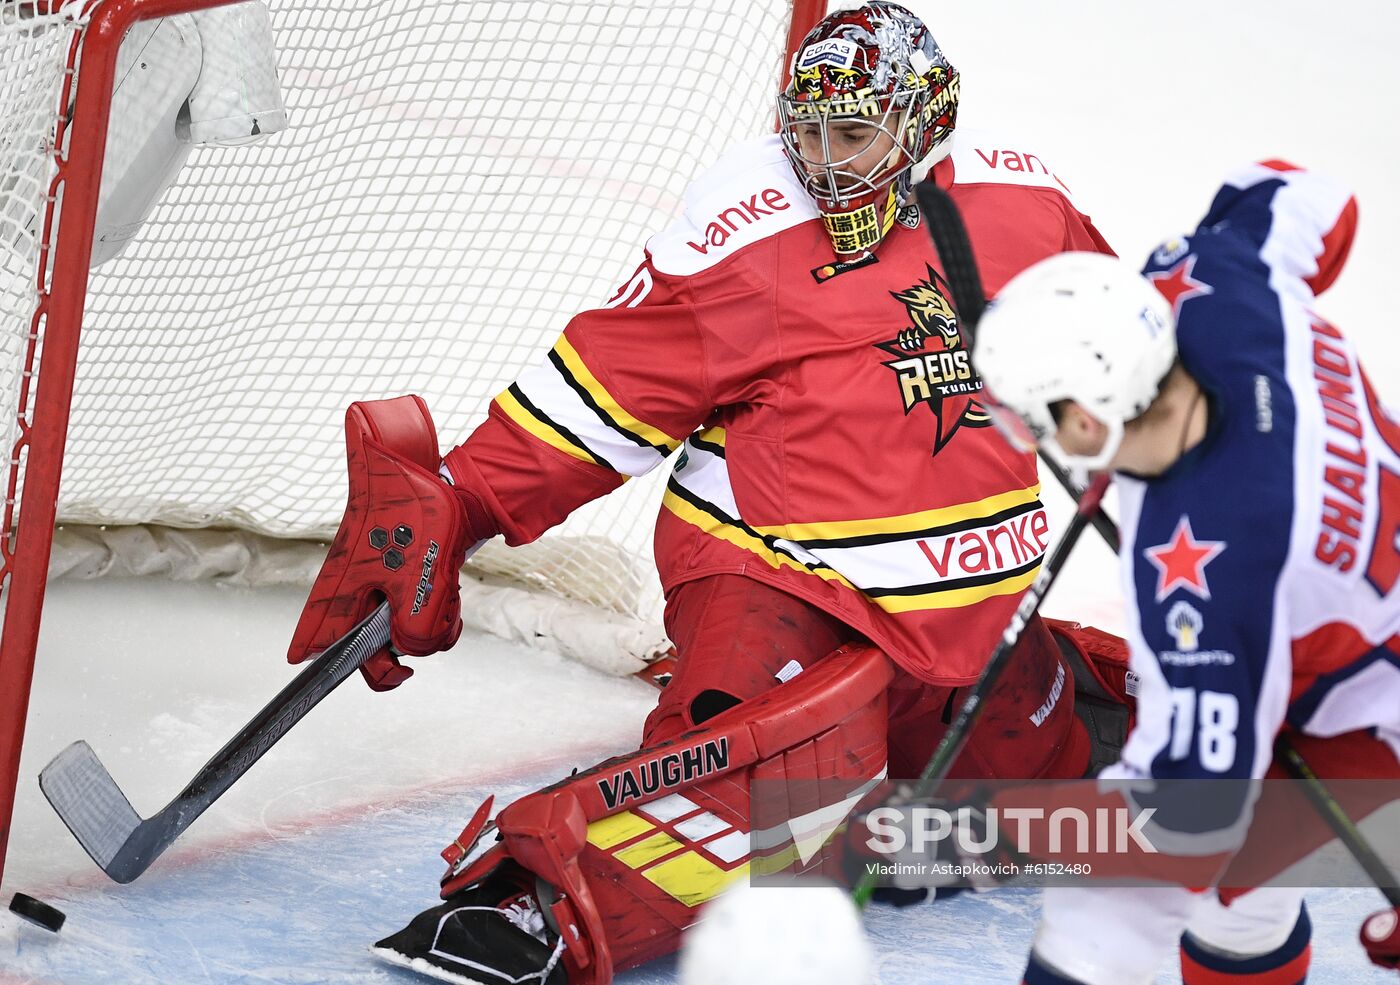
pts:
[1077, 326]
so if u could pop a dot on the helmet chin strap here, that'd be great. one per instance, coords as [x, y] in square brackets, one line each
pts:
[1079, 466]
[920, 170]
[1187, 420]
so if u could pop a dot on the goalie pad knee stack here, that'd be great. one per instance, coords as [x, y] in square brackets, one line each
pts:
[1105, 688]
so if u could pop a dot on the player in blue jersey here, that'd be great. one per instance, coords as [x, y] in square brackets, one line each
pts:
[1259, 482]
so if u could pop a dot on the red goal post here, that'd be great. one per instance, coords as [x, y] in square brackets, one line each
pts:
[252, 295]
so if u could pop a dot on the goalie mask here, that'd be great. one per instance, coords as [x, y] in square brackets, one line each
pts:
[871, 97]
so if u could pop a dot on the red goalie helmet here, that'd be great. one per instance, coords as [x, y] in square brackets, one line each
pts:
[871, 96]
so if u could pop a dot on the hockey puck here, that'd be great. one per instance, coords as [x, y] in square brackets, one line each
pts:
[38, 912]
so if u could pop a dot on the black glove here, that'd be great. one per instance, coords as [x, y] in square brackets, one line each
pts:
[917, 845]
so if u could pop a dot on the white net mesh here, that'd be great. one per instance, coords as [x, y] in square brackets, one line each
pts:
[456, 180]
[35, 47]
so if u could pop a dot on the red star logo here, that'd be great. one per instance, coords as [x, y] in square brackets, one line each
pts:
[1178, 286]
[1181, 563]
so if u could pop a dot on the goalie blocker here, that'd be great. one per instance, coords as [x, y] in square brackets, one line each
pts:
[403, 539]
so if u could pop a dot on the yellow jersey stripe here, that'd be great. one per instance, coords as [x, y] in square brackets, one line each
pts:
[605, 402]
[544, 429]
[742, 539]
[714, 436]
[956, 598]
[907, 523]
[951, 598]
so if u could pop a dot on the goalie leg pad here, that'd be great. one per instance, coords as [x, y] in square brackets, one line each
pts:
[737, 638]
[1104, 688]
[627, 852]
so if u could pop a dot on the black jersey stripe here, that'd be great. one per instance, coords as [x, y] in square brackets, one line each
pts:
[561, 430]
[972, 523]
[971, 581]
[558, 363]
[717, 514]
[709, 446]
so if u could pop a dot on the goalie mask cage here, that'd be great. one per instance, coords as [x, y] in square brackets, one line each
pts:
[456, 180]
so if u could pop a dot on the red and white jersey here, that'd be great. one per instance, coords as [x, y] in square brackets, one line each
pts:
[833, 444]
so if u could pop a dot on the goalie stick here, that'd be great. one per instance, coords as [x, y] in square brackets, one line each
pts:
[120, 841]
[1338, 820]
[949, 236]
[955, 739]
[945, 227]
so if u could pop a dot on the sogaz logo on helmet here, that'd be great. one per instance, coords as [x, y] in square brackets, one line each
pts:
[833, 51]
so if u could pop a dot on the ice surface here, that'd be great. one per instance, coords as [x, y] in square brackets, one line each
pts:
[330, 841]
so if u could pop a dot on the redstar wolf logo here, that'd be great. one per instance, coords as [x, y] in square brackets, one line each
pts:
[933, 365]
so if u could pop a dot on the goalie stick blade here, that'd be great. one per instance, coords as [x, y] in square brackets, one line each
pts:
[85, 796]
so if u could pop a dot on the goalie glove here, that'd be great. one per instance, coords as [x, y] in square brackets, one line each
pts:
[920, 844]
[403, 539]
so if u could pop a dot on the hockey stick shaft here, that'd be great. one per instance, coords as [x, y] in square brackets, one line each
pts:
[949, 236]
[960, 731]
[960, 269]
[1337, 819]
[955, 740]
[87, 799]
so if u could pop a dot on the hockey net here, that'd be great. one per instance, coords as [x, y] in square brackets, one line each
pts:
[456, 180]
